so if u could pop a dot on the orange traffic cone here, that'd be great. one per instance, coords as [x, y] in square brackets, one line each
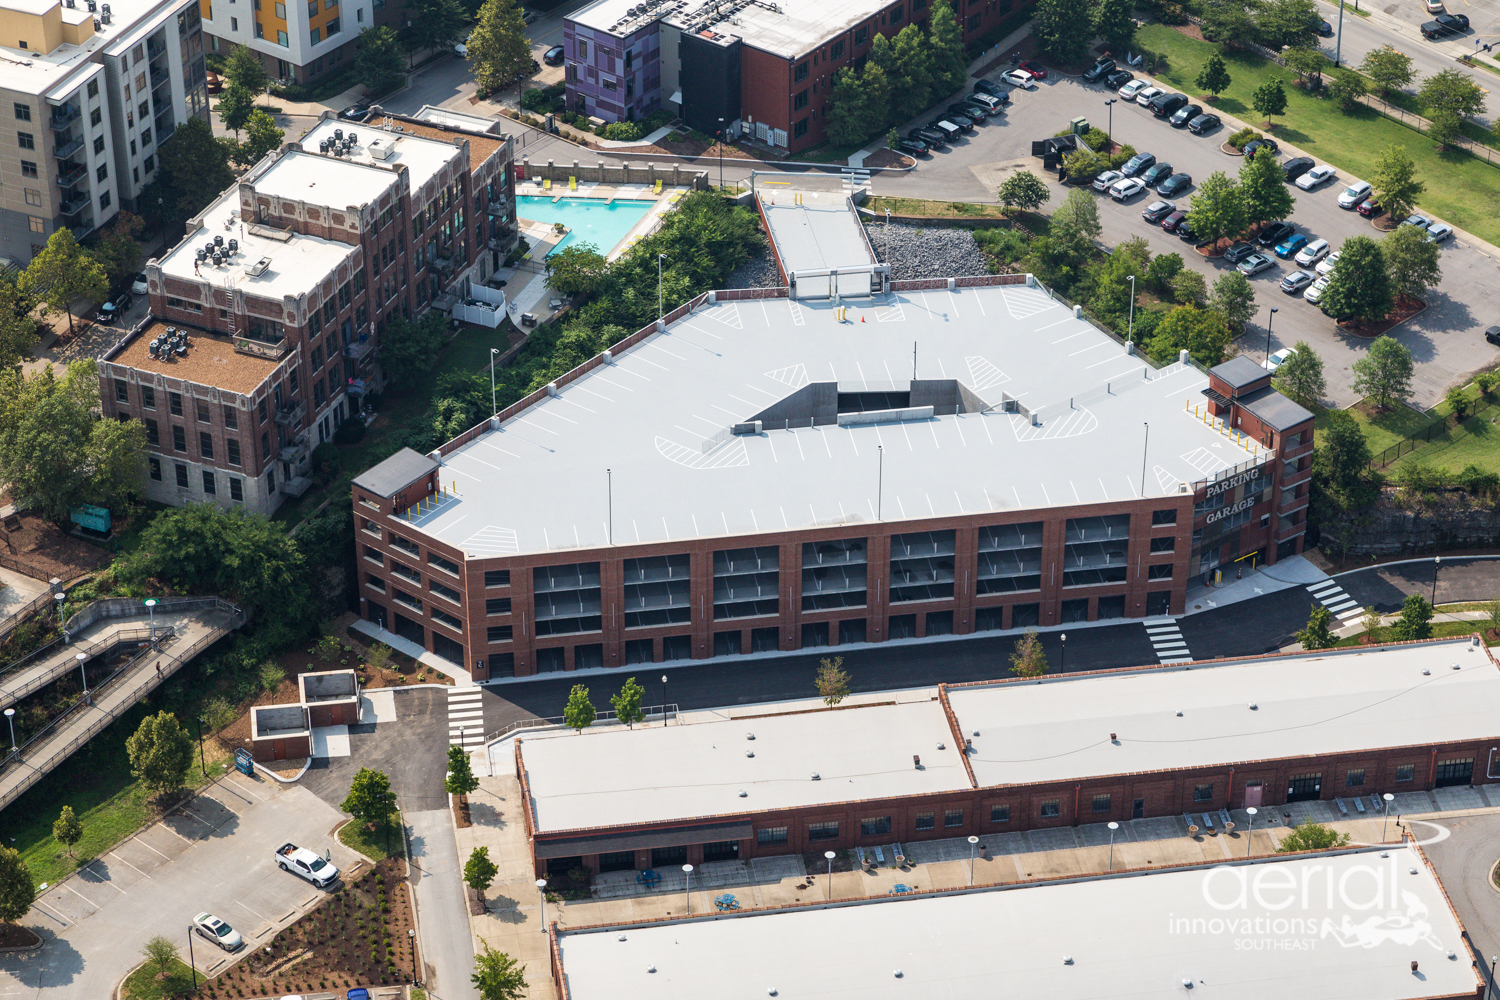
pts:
[861, 319]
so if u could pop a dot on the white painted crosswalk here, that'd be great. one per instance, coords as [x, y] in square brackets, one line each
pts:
[1166, 638]
[1335, 599]
[466, 717]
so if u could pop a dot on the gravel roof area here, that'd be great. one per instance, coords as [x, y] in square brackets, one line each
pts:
[921, 252]
[757, 272]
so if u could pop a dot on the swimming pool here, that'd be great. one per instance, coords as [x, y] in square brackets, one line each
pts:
[589, 220]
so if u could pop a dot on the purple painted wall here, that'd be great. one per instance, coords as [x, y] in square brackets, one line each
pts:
[611, 78]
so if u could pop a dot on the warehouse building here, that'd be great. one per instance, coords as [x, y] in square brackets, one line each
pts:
[1003, 756]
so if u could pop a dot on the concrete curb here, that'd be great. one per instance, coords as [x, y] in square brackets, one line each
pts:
[285, 781]
[33, 947]
[1403, 562]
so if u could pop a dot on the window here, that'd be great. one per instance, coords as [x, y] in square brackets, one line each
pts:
[497, 578]
[148, 397]
[93, 88]
[332, 27]
[205, 415]
[1159, 571]
[102, 172]
[206, 444]
[1000, 814]
[1102, 803]
[23, 112]
[375, 581]
[875, 826]
[953, 817]
[179, 439]
[281, 10]
[155, 465]
[208, 483]
[96, 117]
[174, 400]
[314, 35]
[152, 435]
[234, 24]
[33, 197]
[1159, 517]
[972, 24]
[38, 224]
[281, 39]
[182, 479]
[861, 35]
[1049, 808]
[822, 831]
[232, 446]
[799, 129]
[800, 73]
[447, 565]
[800, 101]
[442, 591]
[374, 556]
[312, 8]
[122, 391]
[771, 835]
[1203, 793]
[1355, 778]
[28, 168]
[925, 821]
[583, 49]
[836, 51]
[236, 493]
[1405, 772]
[500, 633]
[26, 140]
[231, 417]
[98, 144]
[897, 12]
[404, 544]
[144, 109]
[447, 619]
[497, 606]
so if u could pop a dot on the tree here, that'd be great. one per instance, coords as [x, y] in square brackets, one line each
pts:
[1387, 69]
[1217, 209]
[1395, 182]
[117, 251]
[1415, 620]
[1310, 836]
[1234, 299]
[460, 779]
[1114, 22]
[379, 62]
[576, 269]
[66, 829]
[1028, 659]
[1214, 77]
[832, 681]
[17, 890]
[1347, 89]
[160, 752]
[235, 105]
[435, 25]
[479, 870]
[1309, 65]
[878, 93]
[1301, 375]
[53, 453]
[1161, 271]
[1492, 614]
[261, 137]
[160, 952]
[1189, 287]
[369, 799]
[409, 347]
[1269, 99]
[18, 336]
[627, 704]
[1444, 127]
[1358, 286]
[905, 87]
[1343, 454]
[63, 273]
[1282, 23]
[1266, 194]
[272, 674]
[1201, 332]
[848, 120]
[498, 47]
[1226, 21]
[1025, 190]
[196, 167]
[1055, 26]
[1078, 215]
[497, 976]
[244, 68]
[1384, 372]
[579, 713]
[1317, 634]
[1369, 620]
[947, 61]
[1452, 90]
[1412, 260]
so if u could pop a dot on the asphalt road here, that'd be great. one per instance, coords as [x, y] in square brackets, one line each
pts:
[1463, 862]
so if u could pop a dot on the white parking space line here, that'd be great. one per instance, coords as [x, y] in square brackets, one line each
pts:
[80, 895]
[262, 916]
[104, 877]
[138, 840]
[118, 858]
[51, 912]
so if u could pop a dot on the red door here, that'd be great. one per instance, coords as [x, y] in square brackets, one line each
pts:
[1252, 795]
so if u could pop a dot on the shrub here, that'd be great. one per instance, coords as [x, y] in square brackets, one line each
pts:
[351, 431]
[535, 100]
[1479, 482]
[1457, 401]
[1243, 136]
[1118, 160]
[622, 131]
[1171, 13]
[1485, 381]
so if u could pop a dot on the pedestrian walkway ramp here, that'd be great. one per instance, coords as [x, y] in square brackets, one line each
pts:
[820, 244]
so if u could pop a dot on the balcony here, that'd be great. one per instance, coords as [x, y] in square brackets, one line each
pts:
[359, 350]
[74, 206]
[296, 486]
[296, 452]
[64, 116]
[71, 174]
[64, 150]
[497, 207]
[290, 414]
[261, 349]
[159, 77]
[443, 264]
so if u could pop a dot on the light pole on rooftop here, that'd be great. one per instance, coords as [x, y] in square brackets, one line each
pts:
[1250, 831]
[827, 854]
[493, 408]
[973, 843]
[1113, 826]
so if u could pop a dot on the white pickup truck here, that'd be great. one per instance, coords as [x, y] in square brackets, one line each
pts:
[291, 858]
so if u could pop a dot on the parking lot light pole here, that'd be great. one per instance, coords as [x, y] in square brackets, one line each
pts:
[10, 716]
[1113, 826]
[1130, 330]
[1250, 830]
[687, 893]
[151, 607]
[1388, 798]
[1437, 561]
[541, 896]
[1274, 311]
[827, 854]
[1110, 132]
[83, 658]
[202, 761]
[191, 964]
[411, 938]
[973, 842]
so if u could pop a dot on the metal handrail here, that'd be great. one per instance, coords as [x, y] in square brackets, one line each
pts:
[557, 721]
[9, 624]
[93, 649]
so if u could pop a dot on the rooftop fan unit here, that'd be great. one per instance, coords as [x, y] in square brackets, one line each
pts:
[104, 17]
[234, 246]
[338, 134]
[258, 268]
[353, 138]
[323, 147]
[218, 241]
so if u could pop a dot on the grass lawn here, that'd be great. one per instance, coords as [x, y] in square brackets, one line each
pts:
[1383, 431]
[142, 984]
[371, 843]
[1460, 188]
[1440, 630]
[1474, 442]
[936, 209]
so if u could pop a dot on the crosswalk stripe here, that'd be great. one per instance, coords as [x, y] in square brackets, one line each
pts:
[1325, 586]
[465, 696]
[1339, 609]
[464, 710]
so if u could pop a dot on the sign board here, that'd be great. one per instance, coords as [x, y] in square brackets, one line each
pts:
[1215, 488]
[1233, 508]
[93, 518]
[244, 762]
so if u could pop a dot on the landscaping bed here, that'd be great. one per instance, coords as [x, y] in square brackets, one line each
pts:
[1404, 310]
[15, 936]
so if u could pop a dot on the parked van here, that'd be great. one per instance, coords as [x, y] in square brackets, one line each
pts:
[991, 105]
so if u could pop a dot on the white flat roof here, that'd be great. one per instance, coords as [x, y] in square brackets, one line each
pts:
[422, 157]
[54, 74]
[1365, 920]
[649, 416]
[685, 772]
[1307, 705]
[786, 28]
[336, 182]
[298, 264]
[818, 234]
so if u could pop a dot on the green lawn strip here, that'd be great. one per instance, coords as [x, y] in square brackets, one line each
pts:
[1383, 431]
[936, 209]
[371, 843]
[1460, 188]
[142, 984]
[1477, 443]
[1465, 606]
[1440, 630]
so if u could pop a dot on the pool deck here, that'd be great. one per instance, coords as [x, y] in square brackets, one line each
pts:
[611, 192]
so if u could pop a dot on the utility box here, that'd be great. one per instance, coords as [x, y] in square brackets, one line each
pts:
[1079, 125]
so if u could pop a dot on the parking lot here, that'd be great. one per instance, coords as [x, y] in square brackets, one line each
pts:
[1446, 340]
[215, 854]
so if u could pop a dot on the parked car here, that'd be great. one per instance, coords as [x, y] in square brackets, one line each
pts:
[1185, 114]
[1325, 266]
[1314, 293]
[1313, 252]
[1097, 71]
[911, 147]
[358, 993]
[1438, 232]
[1156, 173]
[1369, 208]
[1275, 233]
[139, 286]
[1456, 23]
[1323, 28]
[1133, 88]
[1254, 264]
[1173, 221]
[356, 112]
[1288, 247]
[1353, 195]
[1296, 167]
[991, 105]
[1293, 283]
[962, 121]
[1415, 219]
[1256, 145]
[1316, 176]
[1434, 6]
[1148, 95]
[554, 56]
[1118, 79]
[952, 131]
[1167, 105]
[1174, 184]
[1019, 78]
[1185, 232]
[1126, 188]
[1203, 124]
[1104, 180]
[1279, 358]
[1239, 252]
[301, 861]
[1158, 210]
[220, 933]
[1493, 335]
[958, 111]
[988, 87]
[935, 138]
[1035, 68]
[1137, 164]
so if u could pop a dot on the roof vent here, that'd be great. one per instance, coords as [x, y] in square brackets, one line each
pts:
[621, 938]
[259, 267]
[816, 776]
[744, 794]
[1187, 984]
[650, 968]
[898, 973]
[1112, 736]
[942, 746]
[1067, 960]
[1455, 666]
[1179, 714]
[1254, 706]
[976, 732]
[749, 753]
[1426, 672]
[749, 736]
[916, 761]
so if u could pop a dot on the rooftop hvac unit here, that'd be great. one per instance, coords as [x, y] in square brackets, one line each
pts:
[259, 267]
[380, 149]
[218, 241]
[353, 138]
[104, 17]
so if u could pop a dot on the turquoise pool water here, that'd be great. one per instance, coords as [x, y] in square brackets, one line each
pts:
[589, 220]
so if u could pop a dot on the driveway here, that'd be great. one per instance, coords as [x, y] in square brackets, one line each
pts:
[1446, 341]
[214, 855]
[1463, 862]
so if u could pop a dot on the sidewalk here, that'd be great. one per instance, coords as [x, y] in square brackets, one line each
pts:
[1284, 575]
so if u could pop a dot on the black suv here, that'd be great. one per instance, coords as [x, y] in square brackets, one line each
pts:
[1292, 169]
[988, 87]
[1097, 71]
[1166, 105]
[1118, 79]
[932, 136]
[1275, 234]
[1203, 124]
[1239, 252]
[1185, 114]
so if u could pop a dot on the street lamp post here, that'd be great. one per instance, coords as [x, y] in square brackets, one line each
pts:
[1250, 830]
[191, 964]
[1274, 311]
[721, 155]
[411, 941]
[1388, 798]
[1437, 561]
[83, 658]
[687, 893]
[1110, 132]
[541, 896]
[151, 607]
[1062, 662]
[1130, 330]
[202, 760]
[1113, 826]
[10, 716]
[1491, 991]
[664, 701]
[973, 840]
[659, 258]
[827, 854]
[59, 597]
[493, 408]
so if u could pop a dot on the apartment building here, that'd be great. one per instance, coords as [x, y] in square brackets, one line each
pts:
[297, 40]
[266, 319]
[88, 93]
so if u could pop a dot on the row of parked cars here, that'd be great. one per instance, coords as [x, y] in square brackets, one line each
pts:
[985, 101]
